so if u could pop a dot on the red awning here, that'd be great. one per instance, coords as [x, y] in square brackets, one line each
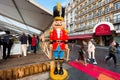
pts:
[103, 29]
[85, 36]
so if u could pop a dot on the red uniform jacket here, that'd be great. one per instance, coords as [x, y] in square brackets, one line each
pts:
[54, 38]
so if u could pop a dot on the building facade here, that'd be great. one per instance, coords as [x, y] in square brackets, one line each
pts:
[70, 16]
[88, 13]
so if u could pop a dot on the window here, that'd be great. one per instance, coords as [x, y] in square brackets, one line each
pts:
[107, 9]
[80, 6]
[94, 6]
[117, 17]
[100, 19]
[95, 22]
[95, 14]
[90, 0]
[90, 22]
[117, 27]
[100, 12]
[87, 17]
[107, 1]
[82, 26]
[107, 18]
[67, 27]
[100, 3]
[77, 8]
[87, 23]
[71, 20]
[85, 3]
[66, 16]
[90, 15]
[117, 5]
[71, 14]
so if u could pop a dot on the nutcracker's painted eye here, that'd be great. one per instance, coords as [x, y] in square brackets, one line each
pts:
[55, 22]
[60, 23]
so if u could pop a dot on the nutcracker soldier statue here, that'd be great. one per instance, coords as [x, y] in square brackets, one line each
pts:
[58, 38]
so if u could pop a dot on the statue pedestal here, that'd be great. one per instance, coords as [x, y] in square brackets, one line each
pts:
[58, 76]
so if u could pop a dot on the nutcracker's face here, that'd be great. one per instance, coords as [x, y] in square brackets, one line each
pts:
[58, 24]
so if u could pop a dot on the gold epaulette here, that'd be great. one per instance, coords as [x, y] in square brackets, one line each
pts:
[66, 30]
[51, 30]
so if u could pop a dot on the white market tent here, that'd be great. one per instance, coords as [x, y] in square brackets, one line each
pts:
[27, 12]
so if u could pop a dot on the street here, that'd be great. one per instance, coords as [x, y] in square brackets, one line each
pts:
[75, 74]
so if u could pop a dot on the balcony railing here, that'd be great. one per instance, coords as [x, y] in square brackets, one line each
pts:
[79, 2]
[79, 29]
[90, 9]
[115, 21]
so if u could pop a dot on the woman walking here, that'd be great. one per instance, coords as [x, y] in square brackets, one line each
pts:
[91, 52]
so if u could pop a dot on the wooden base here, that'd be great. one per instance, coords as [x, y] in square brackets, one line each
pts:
[58, 77]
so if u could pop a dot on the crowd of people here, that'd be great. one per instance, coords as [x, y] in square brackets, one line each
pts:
[32, 44]
[88, 55]
[28, 43]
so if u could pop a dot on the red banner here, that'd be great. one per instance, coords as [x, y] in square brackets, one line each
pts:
[103, 29]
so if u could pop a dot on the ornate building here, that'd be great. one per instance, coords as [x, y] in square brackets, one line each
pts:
[83, 15]
[70, 16]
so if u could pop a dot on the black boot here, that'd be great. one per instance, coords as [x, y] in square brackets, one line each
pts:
[61, 71]
[56, 70]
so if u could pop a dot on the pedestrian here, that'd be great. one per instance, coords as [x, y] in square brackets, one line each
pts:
[34, 43]
[23, 40]
[82, 54]
[112, 50]
[7, 42]
[117, 48]
[29, 43]
[72, 44]
[0, 42]
[91, 52]
[38, 43]
[117, 44]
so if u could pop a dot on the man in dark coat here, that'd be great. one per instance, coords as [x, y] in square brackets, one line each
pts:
[7, 41]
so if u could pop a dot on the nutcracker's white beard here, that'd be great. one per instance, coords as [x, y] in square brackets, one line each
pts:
[58, 32]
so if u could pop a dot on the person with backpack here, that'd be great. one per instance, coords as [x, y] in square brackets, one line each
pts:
[112, 50]
[82, 54]
[7, 42]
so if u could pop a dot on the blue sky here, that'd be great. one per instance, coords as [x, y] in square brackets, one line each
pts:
[49, 4]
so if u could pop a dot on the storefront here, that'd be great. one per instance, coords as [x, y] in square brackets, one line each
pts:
[78, 38]
[103, 33]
